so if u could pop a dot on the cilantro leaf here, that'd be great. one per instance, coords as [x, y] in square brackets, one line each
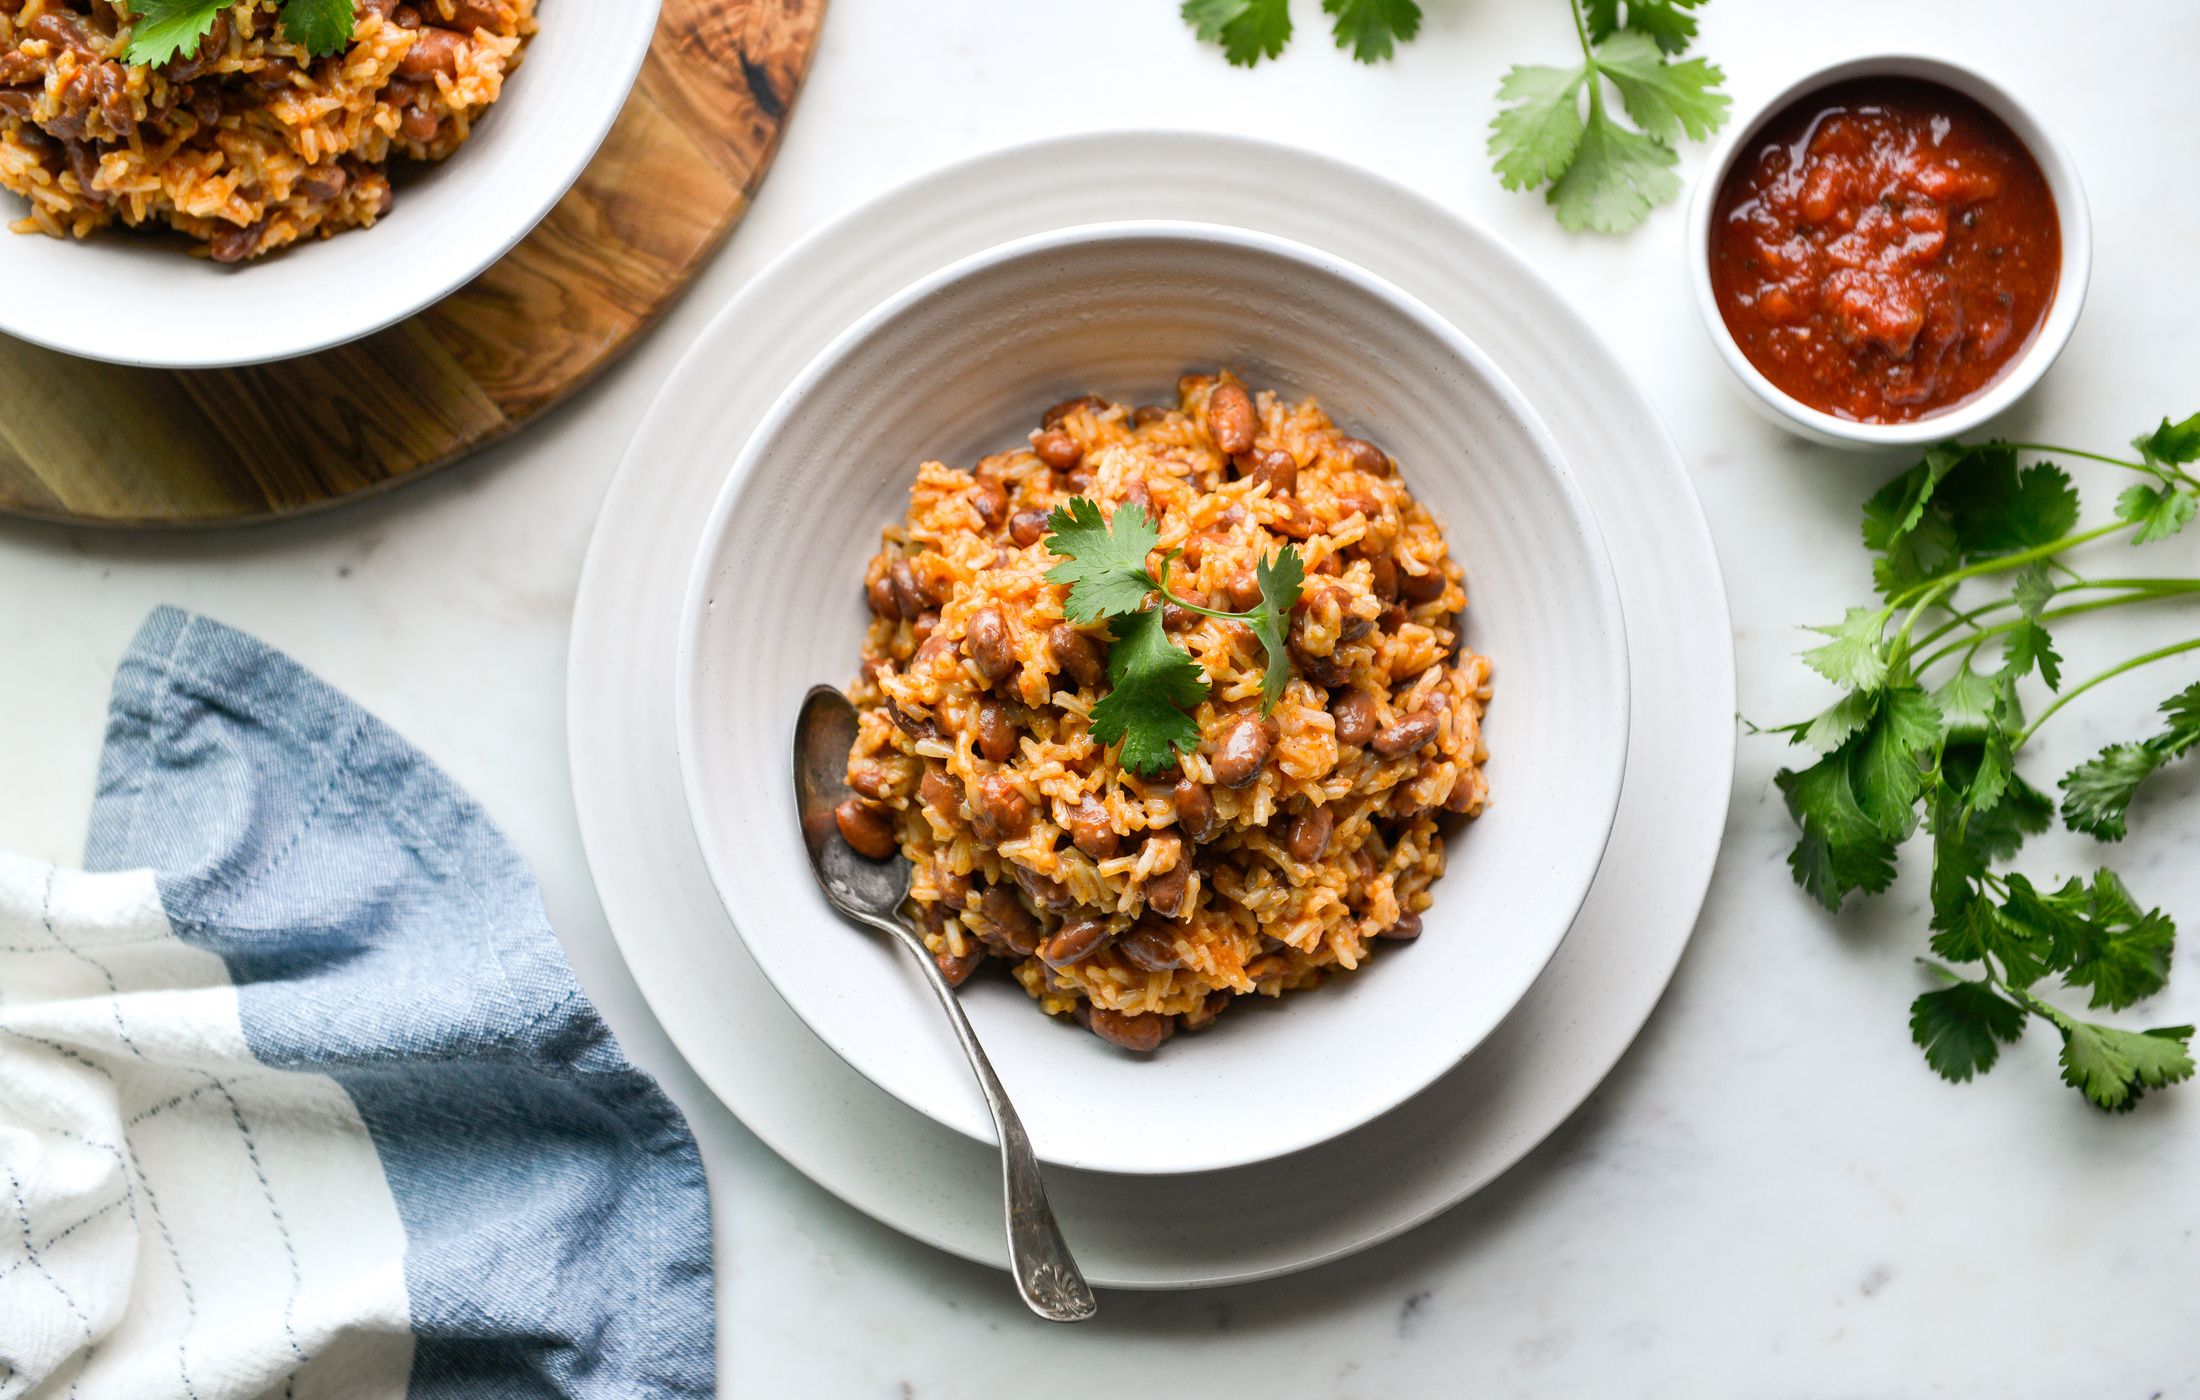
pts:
[1369, 27]
[1833, 726]
[2159, 512]
[1665, 99]
[1842, 849]
[2097, 793]
[1889, 772]
[2115, 1067]
[2027, 646]
[1104, 561]
[1151, 679]
[1279, 592]
[1535, 137]
[2172, 444]
[162, 29]
[2111, 947]
[321, 27]
[1248, 30]
[1614, 179]
[1855, 657]
[1667, 22]
[1958, 1028]
[1967, 702]
[1995, 509]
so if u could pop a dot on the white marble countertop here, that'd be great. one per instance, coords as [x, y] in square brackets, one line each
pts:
[1771, 1196]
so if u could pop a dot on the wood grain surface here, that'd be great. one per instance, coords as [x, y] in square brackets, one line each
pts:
[97, 444]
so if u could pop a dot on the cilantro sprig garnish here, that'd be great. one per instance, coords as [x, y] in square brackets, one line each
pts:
[1968, 559]
[1152, 681]
[1557, 127]
[162, 29]
[1558, 131]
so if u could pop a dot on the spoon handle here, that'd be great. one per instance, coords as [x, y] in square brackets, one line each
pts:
[1046, 1275]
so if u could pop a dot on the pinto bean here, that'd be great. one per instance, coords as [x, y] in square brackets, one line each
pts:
[1010, 924]
[1393, 617]
[1461, 797]
[872, 780]
[1308, 835]
[433, 51]
[1242, 753]
[1242, 589]
[957, 970]
[1058, 450]
[419, 121]
[879, 595]
[1054, 416]
[1407, 734]
[1074, 942]
[911, 725]
[1176, 619]
[990, 499]
[1354, 713]
[1195, 809]
[1142, 1031]
[902, 578]
[1077, 655]
[1274, 466]
[1231, 421]
[868, 830]
[469, 15]
[234, 245]
[1263, 969]
[1408, 926]
[1423, 587]
[996, 731]
[1364, 456]
[1027, 527]
[1045, 891]
[1146, 415]
[1004, 813]
[989, 644]
[1092, 831]
[1384, 578]
[939, 791]
[1150, 947]
[1165, 890]
[955, 890]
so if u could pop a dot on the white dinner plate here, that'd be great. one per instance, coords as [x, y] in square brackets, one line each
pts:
[958, 366]
[1252, 1222]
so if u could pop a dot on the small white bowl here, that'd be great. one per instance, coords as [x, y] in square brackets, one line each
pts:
[2020, 375]
[959, 366]
[142, 301]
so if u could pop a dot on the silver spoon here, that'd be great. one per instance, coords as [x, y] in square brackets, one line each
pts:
[871, 892]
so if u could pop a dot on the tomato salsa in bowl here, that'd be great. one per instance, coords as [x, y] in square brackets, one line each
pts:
[1891, 252]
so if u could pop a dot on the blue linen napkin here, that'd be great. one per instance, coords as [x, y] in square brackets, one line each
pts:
[302, 1098]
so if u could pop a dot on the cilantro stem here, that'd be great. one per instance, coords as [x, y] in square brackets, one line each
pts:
[1161, 586]
[2139, 591]
[2144, 659]
[2048, 449]
[2004, 563]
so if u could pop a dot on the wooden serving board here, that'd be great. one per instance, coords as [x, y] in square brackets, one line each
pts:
[88, 443]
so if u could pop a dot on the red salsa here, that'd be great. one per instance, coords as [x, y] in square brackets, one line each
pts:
[1885, 250]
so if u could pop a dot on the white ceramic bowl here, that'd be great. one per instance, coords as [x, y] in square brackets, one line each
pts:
[2019, 376]
[139, 301]
[959, 365]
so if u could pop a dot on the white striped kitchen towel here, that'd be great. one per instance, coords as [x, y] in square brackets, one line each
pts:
[300, 1099]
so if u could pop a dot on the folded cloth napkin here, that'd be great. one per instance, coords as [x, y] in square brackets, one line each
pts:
[302, 1099]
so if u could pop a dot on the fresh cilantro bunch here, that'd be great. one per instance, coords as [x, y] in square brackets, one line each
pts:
[1557, 127]
[162, 29]
[1152, 681]
[1968, 560]
[1559, 130]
